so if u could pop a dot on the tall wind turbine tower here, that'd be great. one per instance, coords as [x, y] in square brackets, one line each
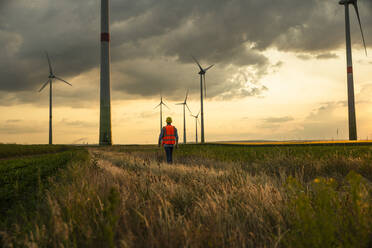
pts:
[105, 136]
[184, 103]
[350, 80]
[202, 77]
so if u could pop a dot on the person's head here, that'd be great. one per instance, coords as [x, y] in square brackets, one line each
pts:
[169, 120]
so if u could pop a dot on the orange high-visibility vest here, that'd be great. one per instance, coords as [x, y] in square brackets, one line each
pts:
[169, 138]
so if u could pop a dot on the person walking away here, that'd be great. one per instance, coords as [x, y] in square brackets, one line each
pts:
[169, 139]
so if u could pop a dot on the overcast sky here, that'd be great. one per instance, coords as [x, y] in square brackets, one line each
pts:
[279, 67]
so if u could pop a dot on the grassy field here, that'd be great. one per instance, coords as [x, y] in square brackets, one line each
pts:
[299, 143]
[212, 196]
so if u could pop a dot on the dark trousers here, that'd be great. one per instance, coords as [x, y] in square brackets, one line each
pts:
[169, 152]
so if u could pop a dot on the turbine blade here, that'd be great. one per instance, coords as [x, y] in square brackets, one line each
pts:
[205, 86]
[360, 25]
[44, 85]
[208, 68]
[197, 62]
[165, 105]
[188, 108]
[60, 79]
[157, 105]
[50, 64]
[187, 94]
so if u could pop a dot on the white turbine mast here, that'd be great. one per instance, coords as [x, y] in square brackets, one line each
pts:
[161, 110]
[202, 73]
[184, 103]
[51, 77]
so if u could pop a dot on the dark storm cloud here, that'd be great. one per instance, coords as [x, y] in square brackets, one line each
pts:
[232, 34]
[65, 29]
[3, 3]
[213, 30]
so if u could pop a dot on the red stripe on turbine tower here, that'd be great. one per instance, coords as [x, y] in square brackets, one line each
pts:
[105, 37]
[349, 69]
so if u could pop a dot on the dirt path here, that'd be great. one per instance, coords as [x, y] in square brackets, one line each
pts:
[96, 154]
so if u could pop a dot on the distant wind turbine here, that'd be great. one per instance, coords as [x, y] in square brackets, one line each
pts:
[196, 126]
[161, 110]
[350, 80]
[202, 76]
[50, 81]
[184, 103]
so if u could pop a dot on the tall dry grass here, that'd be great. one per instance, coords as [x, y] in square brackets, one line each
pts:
[132, 199]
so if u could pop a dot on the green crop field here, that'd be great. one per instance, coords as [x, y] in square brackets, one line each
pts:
[212, 196]
[24, 173]
[9, 151]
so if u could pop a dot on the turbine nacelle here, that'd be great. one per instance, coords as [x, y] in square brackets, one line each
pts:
[204, 70]
[185, 101]
[355, 4]
[195, 116]
[51, 75]
[161, 103]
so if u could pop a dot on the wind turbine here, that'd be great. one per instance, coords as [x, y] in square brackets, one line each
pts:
[202, 76]
[50, 81]
[161, 110]
[105, 132]
[350, 80]
[196, 126]
[184, 103]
